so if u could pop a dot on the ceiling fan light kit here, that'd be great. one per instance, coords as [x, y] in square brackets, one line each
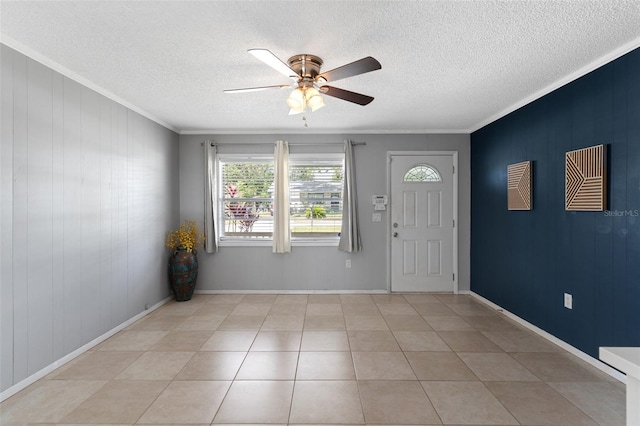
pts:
[304, 69]
[303, 97]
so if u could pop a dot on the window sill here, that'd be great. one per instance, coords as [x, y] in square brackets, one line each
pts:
[307, 242]
[311, 242]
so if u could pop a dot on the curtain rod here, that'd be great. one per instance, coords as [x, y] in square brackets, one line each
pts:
[291, 144]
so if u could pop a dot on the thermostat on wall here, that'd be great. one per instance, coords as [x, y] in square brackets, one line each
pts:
[379, 202]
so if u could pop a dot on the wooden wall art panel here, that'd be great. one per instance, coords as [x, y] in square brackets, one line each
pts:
[519, 196]
[586, 179]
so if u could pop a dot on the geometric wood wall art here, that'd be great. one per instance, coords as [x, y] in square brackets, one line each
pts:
[519, 186]
[586, 179]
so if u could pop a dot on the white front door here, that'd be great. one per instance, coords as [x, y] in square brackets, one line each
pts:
[422, 223]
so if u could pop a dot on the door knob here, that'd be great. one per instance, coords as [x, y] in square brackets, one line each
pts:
[395, 234]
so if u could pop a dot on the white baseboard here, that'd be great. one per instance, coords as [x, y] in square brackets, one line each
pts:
[550, 337]
[291, 292]
[69, 357]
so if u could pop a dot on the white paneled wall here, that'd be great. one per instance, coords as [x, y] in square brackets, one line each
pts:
[89, 189]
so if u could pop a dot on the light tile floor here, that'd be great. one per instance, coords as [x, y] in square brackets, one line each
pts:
[323, 359]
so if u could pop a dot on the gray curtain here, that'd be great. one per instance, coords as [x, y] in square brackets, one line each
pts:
[350, 234]
[211, 235]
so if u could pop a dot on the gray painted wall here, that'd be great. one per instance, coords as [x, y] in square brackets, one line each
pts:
[318, 268]
[89, 189]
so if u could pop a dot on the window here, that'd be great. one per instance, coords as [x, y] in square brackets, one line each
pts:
[422, 173]
[247, 190]
[315, 197]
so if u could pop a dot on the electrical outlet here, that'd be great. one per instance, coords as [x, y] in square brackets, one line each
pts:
[347, 263]
[568, 301]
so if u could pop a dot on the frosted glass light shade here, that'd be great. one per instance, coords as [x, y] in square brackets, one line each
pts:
[314, 100]
[296, 100]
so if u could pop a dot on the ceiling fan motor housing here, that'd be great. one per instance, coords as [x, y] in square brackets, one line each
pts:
[306, 66]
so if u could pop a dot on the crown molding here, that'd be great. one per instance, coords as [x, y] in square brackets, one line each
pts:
[598, 63]
[38, 57]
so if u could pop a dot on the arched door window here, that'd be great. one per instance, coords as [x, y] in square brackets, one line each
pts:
[422, 173]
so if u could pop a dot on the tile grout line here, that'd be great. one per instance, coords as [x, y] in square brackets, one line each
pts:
[350, 349]
[416, 376]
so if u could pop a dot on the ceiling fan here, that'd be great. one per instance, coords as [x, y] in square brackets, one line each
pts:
[309, 82]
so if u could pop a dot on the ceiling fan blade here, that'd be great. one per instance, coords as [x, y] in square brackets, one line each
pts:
[345, 95]
[358, 67]
[257, 89]
[274, 62]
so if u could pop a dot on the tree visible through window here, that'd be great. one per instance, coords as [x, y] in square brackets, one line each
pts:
[315, 193]
[246, 198]
[315, 196]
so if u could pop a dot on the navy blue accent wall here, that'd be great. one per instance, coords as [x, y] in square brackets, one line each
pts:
[525, 260]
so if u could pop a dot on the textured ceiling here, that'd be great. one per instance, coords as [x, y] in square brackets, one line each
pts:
[447, 66]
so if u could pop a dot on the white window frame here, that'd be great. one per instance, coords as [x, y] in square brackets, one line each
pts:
[230, 241]
[294, 159]
[301, 159]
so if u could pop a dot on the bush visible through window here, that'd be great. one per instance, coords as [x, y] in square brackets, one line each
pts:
[315, 196]
[247, 192]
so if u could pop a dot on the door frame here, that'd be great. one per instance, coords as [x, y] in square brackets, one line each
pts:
[454, 156]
